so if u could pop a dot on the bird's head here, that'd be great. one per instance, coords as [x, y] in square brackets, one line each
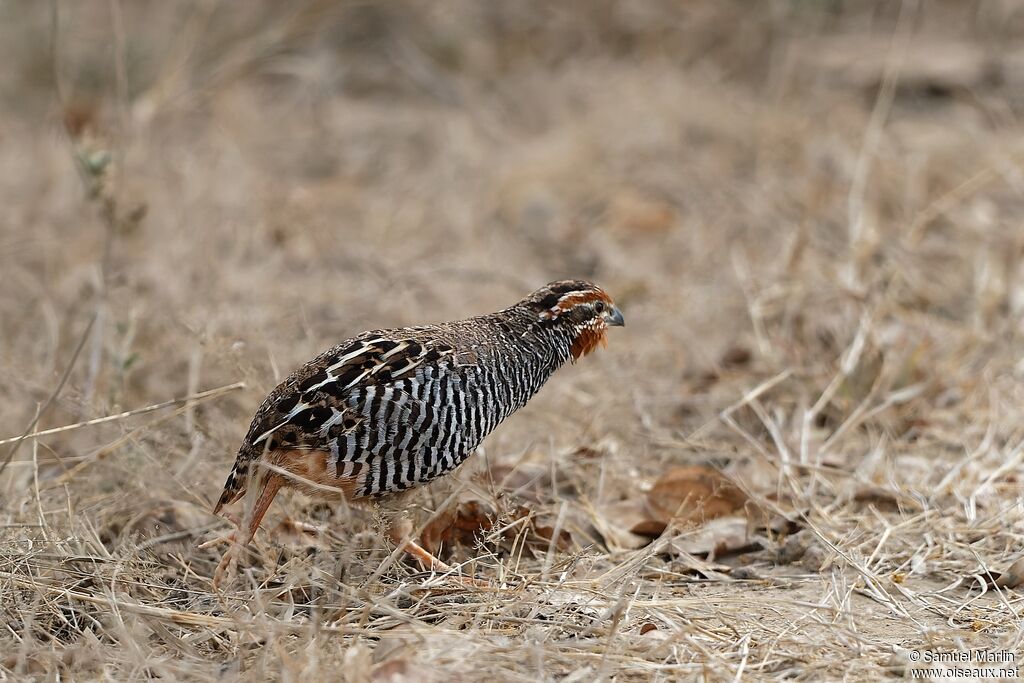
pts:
[580, 307]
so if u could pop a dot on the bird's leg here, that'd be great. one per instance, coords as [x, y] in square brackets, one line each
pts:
[269, 487]
[400, 533]
[225, 538]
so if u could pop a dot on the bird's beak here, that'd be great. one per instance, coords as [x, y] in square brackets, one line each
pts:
[615, 318]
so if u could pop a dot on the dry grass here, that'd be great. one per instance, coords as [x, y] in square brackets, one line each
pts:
[809, 212]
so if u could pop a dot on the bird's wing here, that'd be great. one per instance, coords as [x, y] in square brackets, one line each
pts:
[332, 390]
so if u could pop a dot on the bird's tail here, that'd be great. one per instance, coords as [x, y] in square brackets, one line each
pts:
[234, 487]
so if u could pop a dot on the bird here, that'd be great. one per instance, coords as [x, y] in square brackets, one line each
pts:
[391, 410]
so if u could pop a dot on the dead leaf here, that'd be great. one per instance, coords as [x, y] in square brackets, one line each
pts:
[721, 536]
[460, 524]
[1013, 577]
[541, 527]
[546, 533]
[881, 498]
[735, 357]
[633, 515]
[625, 525]
[465, 522]
[690, 496]
[693, 494]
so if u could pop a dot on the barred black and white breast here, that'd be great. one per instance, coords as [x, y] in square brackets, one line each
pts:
[391, 409]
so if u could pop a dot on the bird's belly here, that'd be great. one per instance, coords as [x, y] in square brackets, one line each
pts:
[314, 473]
[418, 445]
[434, 453]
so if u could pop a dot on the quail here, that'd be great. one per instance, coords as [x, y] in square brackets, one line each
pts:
[390, 410]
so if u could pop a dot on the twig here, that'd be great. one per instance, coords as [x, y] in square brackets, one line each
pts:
[49, 401]
[202, 395]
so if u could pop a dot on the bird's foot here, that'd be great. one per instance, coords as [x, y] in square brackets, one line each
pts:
[426, 558]
[224, 538]
[302, 530]
[227, 565]
[432, 564]
[471, 581]
[228, 562]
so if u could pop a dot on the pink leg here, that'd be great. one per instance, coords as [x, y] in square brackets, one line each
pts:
[268, 490]
[401, 535]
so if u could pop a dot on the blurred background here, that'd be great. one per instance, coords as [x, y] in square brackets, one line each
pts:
[820, 197]
[229, 191]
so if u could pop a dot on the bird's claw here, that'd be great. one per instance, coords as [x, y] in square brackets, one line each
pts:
[439, 568]
[226, 566]
[219, 540]
[471, 581]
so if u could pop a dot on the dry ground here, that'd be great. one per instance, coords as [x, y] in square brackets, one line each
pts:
[810, 212]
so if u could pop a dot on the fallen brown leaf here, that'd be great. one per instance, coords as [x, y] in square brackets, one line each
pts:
[1013, 577]
[460, 524]
[689, 496]
[878, 496]
[633, 515]
[692, 494]
[717, 537]
[736, 357]
[546, 533]
[625, 525]
[465, 522]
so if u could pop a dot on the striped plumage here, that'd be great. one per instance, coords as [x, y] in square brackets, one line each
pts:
[392, 409]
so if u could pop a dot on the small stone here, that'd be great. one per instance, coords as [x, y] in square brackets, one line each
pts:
[793, 548]
[814, 558]
[746, 574]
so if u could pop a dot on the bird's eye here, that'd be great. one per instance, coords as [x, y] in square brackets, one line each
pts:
[599, 307]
